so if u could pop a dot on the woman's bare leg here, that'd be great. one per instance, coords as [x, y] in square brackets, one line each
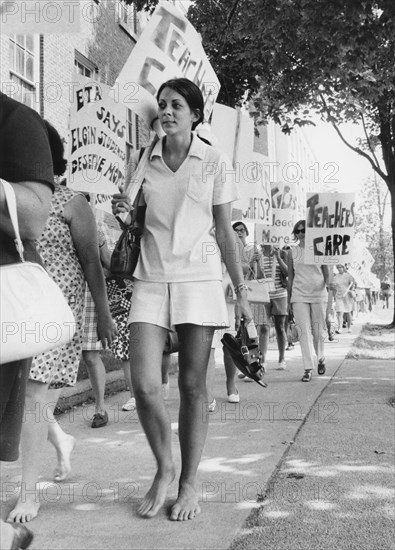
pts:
[97, 377]
[146, 347]
[231, 371]
[195, 346]
[281, 336]
[33, 438]
[64, 443]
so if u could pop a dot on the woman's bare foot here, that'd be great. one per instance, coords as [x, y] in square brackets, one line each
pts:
[25, 509]
[187, 504]
[64, 451]
[156, 496]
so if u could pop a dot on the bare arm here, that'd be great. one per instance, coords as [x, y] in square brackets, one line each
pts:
[229, 246]
[328, 275]
[84, 234]
[33, 201]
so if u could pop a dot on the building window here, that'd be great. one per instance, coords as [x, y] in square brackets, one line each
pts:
[127, 18]
[132, 136]
[22, 61]
[84, 66]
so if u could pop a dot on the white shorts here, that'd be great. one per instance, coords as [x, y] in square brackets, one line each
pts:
[169, 304]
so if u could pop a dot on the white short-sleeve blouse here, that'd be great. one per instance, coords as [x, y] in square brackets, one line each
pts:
[178, 242]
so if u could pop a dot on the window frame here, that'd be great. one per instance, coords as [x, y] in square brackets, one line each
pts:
[87, 64]
[29, 87]
[131, 28]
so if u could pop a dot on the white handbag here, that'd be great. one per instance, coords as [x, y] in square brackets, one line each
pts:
[35, 316]
[259, 287]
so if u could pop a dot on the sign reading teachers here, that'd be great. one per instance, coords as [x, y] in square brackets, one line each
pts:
[97, 139]
[169, 47]
[330, 221]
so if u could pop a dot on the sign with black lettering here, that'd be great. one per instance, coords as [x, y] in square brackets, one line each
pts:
[330, 221]
[278, 230]
[97, 139]
[169, 47]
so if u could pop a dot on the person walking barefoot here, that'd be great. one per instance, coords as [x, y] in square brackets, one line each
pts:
[178, 286]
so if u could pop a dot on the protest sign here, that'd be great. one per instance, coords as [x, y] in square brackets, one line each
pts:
[97, 139]
[254, 189]
[169, 47]
[40, 16]
[330, 221]
[284, 209]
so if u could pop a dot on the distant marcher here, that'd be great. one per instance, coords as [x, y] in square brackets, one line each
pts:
[274, 267]
[308, 300]
[385, 288]
[344, 296]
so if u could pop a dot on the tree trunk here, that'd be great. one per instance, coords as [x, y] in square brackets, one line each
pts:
[392, 193]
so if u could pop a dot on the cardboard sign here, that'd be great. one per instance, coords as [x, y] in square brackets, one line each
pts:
[169, 47]
[40, 16]
[254, 188]
[284, 211]
[97, 139]
[330, 221]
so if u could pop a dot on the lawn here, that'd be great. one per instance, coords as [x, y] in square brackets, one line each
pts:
[374, 342]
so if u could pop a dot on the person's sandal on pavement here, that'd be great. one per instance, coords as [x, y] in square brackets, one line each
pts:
[99, 420]
[321, 366]
[307, 376]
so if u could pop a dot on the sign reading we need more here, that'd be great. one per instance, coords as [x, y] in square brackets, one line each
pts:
[169, 47]
[279, 229]
[330, 221]
[97, 153]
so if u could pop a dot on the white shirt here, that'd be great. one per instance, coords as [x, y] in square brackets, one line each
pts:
[178, 242]
[308, 284]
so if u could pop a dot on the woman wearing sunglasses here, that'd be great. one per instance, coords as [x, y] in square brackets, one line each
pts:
[308, 300]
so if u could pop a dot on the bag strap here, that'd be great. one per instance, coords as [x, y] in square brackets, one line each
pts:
[137, 179]
[12, 210]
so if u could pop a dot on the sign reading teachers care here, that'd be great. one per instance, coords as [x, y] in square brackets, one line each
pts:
[97, 139]
[169, 47]
[330, 221]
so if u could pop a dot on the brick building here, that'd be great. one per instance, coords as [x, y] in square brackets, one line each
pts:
[38, 69]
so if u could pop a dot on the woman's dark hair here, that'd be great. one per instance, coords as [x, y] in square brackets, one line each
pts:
[297, 224]
[190, 92]
[57, 150]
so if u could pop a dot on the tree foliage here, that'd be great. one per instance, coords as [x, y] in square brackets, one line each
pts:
[372, 206]
[289, 57]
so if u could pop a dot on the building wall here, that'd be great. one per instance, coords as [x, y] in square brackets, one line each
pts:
[103, 39]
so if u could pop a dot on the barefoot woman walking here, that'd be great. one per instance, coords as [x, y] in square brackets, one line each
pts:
[188, 190]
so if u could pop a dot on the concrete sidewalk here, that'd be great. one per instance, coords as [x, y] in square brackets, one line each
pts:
[292, 466]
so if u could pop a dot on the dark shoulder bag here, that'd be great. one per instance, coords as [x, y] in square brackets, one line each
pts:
[127, 250]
